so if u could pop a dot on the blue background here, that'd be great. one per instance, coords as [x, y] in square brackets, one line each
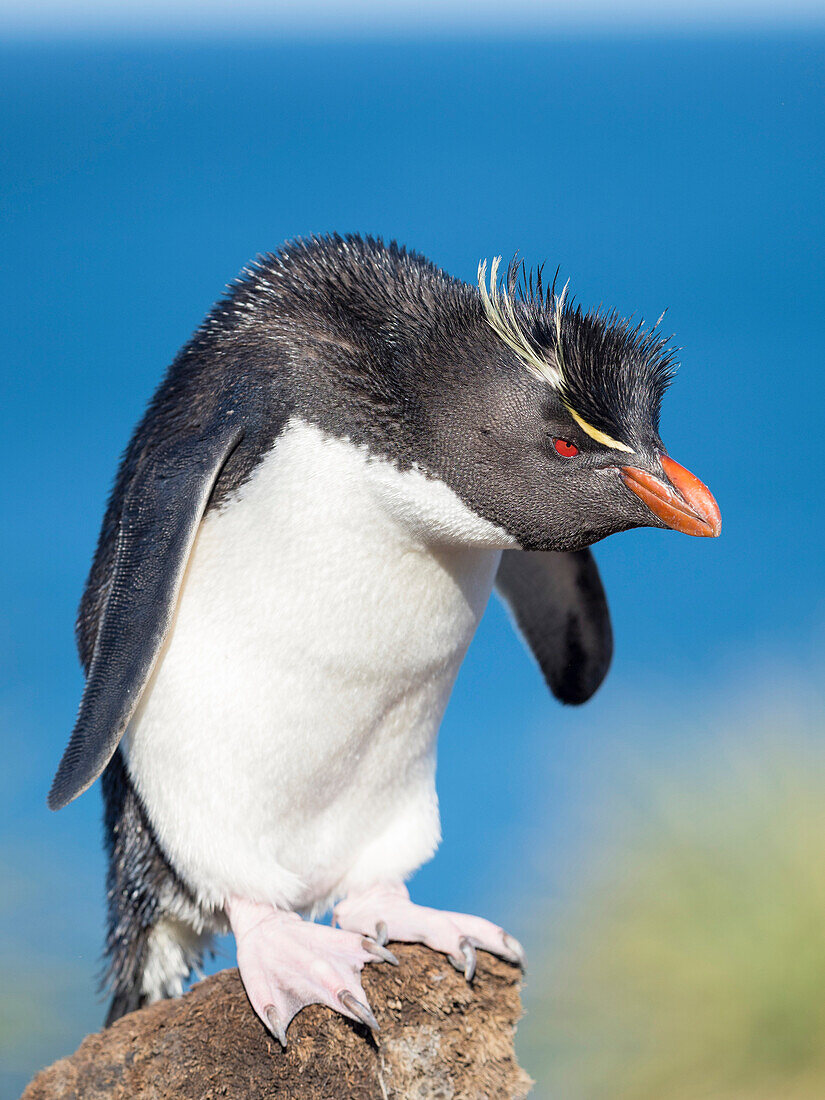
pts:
[681, 172]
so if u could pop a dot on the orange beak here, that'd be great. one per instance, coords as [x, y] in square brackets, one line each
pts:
[685, 504]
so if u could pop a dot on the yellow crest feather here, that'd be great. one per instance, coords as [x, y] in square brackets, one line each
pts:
[599, 436]
[501, 316]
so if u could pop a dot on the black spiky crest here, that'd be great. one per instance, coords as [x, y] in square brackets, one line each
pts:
[609, 372]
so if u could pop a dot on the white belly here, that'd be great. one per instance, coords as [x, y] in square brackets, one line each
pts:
[285, 745]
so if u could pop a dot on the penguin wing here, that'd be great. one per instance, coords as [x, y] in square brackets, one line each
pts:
[162, 509]
[560, 607]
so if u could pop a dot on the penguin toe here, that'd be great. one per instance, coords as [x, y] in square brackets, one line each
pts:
[287, 964]
[387, 913]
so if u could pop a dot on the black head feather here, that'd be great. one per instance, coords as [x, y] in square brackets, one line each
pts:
[613, 373]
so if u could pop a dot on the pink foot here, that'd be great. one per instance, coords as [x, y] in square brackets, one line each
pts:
[287, 963]
[387, 913]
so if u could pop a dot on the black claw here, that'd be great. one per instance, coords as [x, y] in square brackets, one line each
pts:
[359, 1011]
[378, 951]
[515, 949]
[468, 950]
[275, 1025]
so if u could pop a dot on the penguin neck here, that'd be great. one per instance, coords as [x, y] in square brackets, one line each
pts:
[429, 514]
[370, 495]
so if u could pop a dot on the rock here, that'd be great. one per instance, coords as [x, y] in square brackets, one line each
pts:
[440, 1039]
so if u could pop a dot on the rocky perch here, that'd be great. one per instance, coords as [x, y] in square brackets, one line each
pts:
[440, 1039]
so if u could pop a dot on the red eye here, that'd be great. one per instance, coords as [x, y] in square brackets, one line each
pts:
[565, 449]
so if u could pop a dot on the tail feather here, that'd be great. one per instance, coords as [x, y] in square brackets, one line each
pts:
[157, 934]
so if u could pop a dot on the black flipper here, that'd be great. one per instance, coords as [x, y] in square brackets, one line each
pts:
[162, 509]
[560, 607]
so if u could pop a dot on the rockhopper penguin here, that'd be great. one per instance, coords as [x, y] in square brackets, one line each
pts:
[303, 534]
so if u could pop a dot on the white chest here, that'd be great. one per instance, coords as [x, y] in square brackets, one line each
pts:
[285, 745]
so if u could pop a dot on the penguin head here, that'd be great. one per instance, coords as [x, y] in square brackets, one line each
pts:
[565, 435]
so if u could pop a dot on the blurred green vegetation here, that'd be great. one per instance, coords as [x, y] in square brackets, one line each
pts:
[47, 998]
[685, 957]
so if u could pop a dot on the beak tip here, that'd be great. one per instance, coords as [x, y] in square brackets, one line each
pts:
[713, 529]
